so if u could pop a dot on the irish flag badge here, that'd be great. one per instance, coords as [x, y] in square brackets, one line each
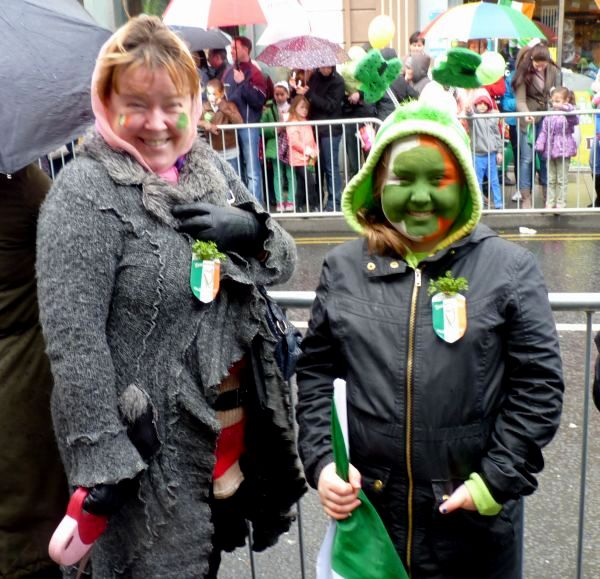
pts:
[448, 307]
[205, 272]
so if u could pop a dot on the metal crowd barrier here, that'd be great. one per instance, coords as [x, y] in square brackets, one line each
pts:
[299, 200]
[586, 303]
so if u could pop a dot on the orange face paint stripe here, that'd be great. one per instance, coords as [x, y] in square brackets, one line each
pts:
[452, 173]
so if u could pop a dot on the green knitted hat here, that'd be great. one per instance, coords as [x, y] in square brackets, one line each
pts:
[417, 118]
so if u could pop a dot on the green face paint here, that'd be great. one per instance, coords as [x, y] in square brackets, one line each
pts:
[182, 121]
[422, 196]
[122, 120]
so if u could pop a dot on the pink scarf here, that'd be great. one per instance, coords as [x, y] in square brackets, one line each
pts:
[115, 142]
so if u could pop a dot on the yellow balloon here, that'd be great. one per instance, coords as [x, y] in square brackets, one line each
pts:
[381, 31]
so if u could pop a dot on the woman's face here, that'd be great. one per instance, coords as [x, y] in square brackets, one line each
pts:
[539, 65]
[422, 195]
[150, 114]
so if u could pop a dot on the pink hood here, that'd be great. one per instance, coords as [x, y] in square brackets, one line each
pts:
[115, 142]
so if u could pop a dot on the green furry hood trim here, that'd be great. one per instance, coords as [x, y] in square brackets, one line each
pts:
[417, 118]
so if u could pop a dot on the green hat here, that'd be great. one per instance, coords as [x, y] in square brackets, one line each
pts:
[458, 69]
[417, 118]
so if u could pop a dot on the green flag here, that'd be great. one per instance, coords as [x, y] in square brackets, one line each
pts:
[362, 548]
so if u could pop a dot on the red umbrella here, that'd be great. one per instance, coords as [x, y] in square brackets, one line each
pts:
[213, 13]
[304, 52]
[546, 31]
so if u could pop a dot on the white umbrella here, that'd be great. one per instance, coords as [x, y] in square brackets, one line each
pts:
[285, 19]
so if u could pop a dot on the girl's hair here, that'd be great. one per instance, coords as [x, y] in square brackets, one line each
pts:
[565, 93]
[525, 68]
[294, 105]
[216, 84]
[382, 238]
[146, 41]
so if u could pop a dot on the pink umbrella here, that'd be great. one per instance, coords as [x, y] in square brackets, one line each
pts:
[304, 52]
[213, 13]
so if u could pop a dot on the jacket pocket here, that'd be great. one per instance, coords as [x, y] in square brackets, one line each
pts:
[457, 536]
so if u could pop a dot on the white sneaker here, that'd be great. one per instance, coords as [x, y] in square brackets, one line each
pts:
[517, 196]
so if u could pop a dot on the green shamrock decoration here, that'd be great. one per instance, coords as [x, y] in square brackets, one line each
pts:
[376, 74]
[448, 285]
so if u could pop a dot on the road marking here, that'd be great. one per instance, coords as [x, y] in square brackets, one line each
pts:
[559, 327]
[510, 236]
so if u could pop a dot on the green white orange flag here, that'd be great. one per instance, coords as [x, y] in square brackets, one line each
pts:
[527, 8]
[358, 547]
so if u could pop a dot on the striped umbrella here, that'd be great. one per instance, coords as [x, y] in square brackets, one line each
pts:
[481, 20]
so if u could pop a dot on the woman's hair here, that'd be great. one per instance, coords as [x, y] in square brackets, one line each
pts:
[565, 93]
[294, 105]
[382, 238]
[146, 41]
[217, 85]
[525, 69]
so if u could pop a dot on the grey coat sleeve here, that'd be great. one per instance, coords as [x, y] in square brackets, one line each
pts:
[78, 248]
[531, 411]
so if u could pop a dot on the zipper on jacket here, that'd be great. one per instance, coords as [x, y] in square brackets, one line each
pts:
[409, 384]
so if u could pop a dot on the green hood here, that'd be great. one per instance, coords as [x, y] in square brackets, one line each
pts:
[412, 119]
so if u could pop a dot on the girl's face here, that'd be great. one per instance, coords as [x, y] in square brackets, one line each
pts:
[422, 195]
[558, 101]
[481, 107]
[149, 113]
[213, 95]
[280, 95]
[302, 109]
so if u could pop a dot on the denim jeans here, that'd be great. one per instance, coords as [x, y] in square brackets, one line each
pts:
[235, 164]
[526, 152]
[485, 166]
[329, 154]
[251, 166]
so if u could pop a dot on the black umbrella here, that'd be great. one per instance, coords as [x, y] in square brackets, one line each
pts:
[199, 39]
[47, 55]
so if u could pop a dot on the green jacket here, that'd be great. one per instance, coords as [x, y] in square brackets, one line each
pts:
[270, 114]
[33, 487]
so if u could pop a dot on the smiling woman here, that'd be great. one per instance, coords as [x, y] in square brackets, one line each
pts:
[170, 412]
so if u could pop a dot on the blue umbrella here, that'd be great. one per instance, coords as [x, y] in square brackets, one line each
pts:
[47, 55]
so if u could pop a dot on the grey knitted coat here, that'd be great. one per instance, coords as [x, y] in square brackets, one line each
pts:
[124, 331]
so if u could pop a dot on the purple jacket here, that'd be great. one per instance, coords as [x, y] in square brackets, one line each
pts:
[556, 140]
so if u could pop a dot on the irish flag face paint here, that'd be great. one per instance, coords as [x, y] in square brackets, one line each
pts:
[124, 121]
[182, 121]
[423, 195]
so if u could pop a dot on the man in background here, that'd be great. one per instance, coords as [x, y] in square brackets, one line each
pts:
[246, 86]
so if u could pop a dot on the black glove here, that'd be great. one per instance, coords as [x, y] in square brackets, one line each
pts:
[142, 434]
[107, 499]
[230, 228]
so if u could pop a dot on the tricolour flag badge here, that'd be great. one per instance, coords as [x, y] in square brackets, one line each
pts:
[205, 277]
[449, 314]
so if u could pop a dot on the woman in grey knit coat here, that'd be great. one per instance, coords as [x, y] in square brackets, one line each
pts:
[147, 376]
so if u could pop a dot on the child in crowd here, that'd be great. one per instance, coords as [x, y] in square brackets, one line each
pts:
[303, 153]
[557, 144]
[277, 110]
[487, 146]
[217, 110]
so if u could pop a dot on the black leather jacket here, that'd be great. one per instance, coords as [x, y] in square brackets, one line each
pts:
[424, 414]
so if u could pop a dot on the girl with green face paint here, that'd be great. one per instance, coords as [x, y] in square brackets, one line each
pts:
[422, 194]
